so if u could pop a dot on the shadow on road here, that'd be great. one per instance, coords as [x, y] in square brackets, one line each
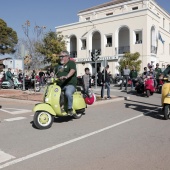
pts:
[153, 110]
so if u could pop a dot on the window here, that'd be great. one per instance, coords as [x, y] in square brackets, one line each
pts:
[163, 22]
[83, 46]
[135, 8]
[108, 14]
[138, 37]
[88, 18]
[108, 41]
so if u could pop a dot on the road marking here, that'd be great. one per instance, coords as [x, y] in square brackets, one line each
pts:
[15, 111]
[14, 119]
[70, 141]
[5, 157]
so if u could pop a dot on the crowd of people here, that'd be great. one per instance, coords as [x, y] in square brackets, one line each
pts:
[41, 76]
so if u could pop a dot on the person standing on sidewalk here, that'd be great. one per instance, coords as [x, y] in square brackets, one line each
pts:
[105, 83]
[86, 80]
[158, 72]
[133, 76]
[126, 73]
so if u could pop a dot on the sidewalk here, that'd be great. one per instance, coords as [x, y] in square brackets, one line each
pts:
[38, 96]
[21, 95]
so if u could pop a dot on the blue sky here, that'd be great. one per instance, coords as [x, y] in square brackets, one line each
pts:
[49, 13]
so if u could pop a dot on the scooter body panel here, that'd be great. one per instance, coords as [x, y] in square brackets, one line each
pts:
[149, 85]
[78, 101]
[165, 92]
[44, 107]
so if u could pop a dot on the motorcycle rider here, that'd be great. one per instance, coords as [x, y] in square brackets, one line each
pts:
[152, 74]
[144, 73]
[9, 76]
[66, 71]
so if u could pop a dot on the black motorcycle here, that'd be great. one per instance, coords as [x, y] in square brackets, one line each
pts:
[139, 86]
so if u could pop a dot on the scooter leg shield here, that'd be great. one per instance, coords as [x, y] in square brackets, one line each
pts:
[44, 107]
[166, 101]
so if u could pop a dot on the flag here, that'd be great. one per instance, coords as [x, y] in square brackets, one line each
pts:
[160, 38]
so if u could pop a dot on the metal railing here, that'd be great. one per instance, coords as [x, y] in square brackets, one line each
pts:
[124, 49]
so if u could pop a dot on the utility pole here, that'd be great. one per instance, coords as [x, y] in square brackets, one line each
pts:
[94, 58]
[23, 80]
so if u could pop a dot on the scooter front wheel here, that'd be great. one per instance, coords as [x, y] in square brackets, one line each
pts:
[166, 112]
[148, 93]
[43, 120]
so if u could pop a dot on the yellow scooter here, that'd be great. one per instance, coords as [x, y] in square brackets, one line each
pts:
[166, 98]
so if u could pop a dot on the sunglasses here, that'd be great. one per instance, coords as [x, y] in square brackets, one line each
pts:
[62, 56]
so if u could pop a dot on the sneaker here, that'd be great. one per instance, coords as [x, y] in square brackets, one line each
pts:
[102, 98]
[70, 112]
[108, 98]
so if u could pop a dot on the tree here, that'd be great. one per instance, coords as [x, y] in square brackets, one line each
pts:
[32, 58]
[8, 38]
[131, 59]
[52, 44]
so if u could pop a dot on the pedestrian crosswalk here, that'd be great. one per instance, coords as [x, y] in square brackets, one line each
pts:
[15, 111]
[14, 114]
[5, 156]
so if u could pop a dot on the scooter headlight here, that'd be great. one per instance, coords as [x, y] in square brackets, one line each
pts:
[168, 95]
[50, 80]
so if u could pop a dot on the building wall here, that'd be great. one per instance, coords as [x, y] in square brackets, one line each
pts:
[147, 21]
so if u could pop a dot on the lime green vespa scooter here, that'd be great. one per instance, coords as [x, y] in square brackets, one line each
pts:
[55, 105]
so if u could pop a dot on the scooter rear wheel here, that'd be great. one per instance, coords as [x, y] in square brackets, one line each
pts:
[78, 114]
[43, 120]
[166, 112]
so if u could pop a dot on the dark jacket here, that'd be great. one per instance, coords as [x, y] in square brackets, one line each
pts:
[106, 77]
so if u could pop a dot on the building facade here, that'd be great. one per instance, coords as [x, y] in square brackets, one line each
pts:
[117, 27]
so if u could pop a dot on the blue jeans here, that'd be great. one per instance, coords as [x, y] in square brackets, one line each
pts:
[68, 91]
[107, 86]
[133, 84]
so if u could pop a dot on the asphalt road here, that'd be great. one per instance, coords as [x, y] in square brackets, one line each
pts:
[130, 134]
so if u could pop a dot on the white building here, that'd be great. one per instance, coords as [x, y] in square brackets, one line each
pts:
[117, 27]
[14, 64]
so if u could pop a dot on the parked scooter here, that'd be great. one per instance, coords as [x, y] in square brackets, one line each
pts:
[166, 98]
[17, 83]
[55, 105]
[149, 87]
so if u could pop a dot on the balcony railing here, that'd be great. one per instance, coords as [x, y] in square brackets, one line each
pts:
[153, 49]
[124, 49]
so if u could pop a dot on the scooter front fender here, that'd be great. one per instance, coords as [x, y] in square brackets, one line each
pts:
[44, 107]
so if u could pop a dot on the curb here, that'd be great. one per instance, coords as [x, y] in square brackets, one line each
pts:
[18, 100]
[117, 99]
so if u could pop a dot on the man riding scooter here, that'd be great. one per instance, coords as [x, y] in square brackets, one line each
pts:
[67, 72]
